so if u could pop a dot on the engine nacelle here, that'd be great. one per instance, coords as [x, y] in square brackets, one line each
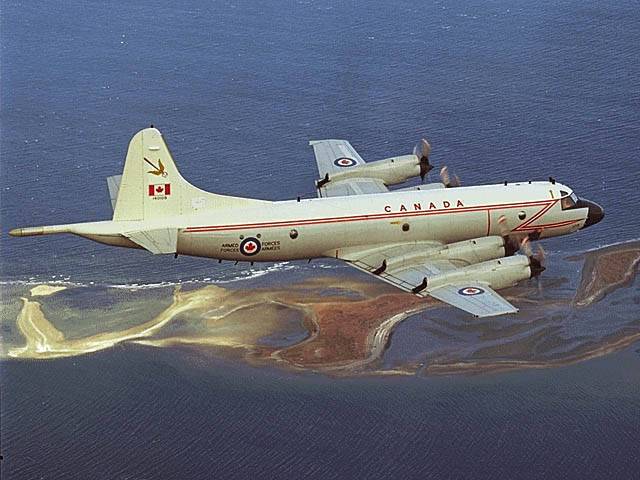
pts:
[461, 254]
[390, 171]
[498, 273]
[469, 252]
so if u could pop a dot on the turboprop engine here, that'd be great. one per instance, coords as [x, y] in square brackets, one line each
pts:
[390, 171]
[498, 273]
[462, 254]
[488, 260]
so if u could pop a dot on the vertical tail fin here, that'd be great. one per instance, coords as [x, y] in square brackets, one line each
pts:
[152, 187]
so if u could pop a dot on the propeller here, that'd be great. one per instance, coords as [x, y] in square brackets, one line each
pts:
[446, 178]
[525, 247]
[513, 243]
[542, 256]
[502, 226]
[536, 261]
[422, 151]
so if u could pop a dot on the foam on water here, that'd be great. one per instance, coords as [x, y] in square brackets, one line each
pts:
[243, 275]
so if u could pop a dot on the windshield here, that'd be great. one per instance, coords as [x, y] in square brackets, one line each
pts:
[568, 201]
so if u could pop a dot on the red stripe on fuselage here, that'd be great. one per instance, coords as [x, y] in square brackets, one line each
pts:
[539, 214]
[552, 225]
[547, 204]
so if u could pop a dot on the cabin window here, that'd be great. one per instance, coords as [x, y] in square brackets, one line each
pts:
[405, 227]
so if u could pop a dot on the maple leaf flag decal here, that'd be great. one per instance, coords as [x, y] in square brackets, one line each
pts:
[160, 189]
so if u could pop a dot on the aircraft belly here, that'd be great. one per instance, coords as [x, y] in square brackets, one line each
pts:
[305, 240]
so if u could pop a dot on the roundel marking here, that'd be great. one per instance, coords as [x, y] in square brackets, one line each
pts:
[344, 162]
[250, 246]
[470, 291]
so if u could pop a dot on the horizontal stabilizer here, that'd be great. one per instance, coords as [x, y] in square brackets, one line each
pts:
[158, 242]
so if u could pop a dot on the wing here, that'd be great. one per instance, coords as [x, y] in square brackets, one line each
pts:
[479, 299]
[338, 156]
[406, 266]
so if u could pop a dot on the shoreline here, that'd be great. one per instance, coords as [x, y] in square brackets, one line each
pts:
[347, 331]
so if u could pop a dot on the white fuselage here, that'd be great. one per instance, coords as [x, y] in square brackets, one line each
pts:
[310, 228]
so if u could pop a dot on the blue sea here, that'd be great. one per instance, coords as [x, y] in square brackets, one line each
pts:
[503, 90]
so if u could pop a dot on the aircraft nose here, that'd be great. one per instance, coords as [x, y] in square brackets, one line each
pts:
[595, 214]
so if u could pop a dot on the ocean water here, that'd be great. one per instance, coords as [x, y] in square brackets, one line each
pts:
[503, 90]
[168, 414]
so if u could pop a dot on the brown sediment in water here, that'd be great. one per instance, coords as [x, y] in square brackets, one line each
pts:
[606, 270]
[472, 367]
[346, 332]
[348, 325]
[341, 329]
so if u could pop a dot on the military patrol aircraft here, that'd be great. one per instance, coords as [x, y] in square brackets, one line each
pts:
[458, 245]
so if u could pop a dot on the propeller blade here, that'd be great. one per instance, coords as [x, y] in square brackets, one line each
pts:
[525, 247]
[502, 226]
[511, 244]
[536, 267]
[444, 176]
[422, 151]
[425, 148]
[540, 258]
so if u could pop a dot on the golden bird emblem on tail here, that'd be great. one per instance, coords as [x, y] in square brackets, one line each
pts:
[159, 170]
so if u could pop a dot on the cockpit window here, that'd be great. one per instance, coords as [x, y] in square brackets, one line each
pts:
[568, 201]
